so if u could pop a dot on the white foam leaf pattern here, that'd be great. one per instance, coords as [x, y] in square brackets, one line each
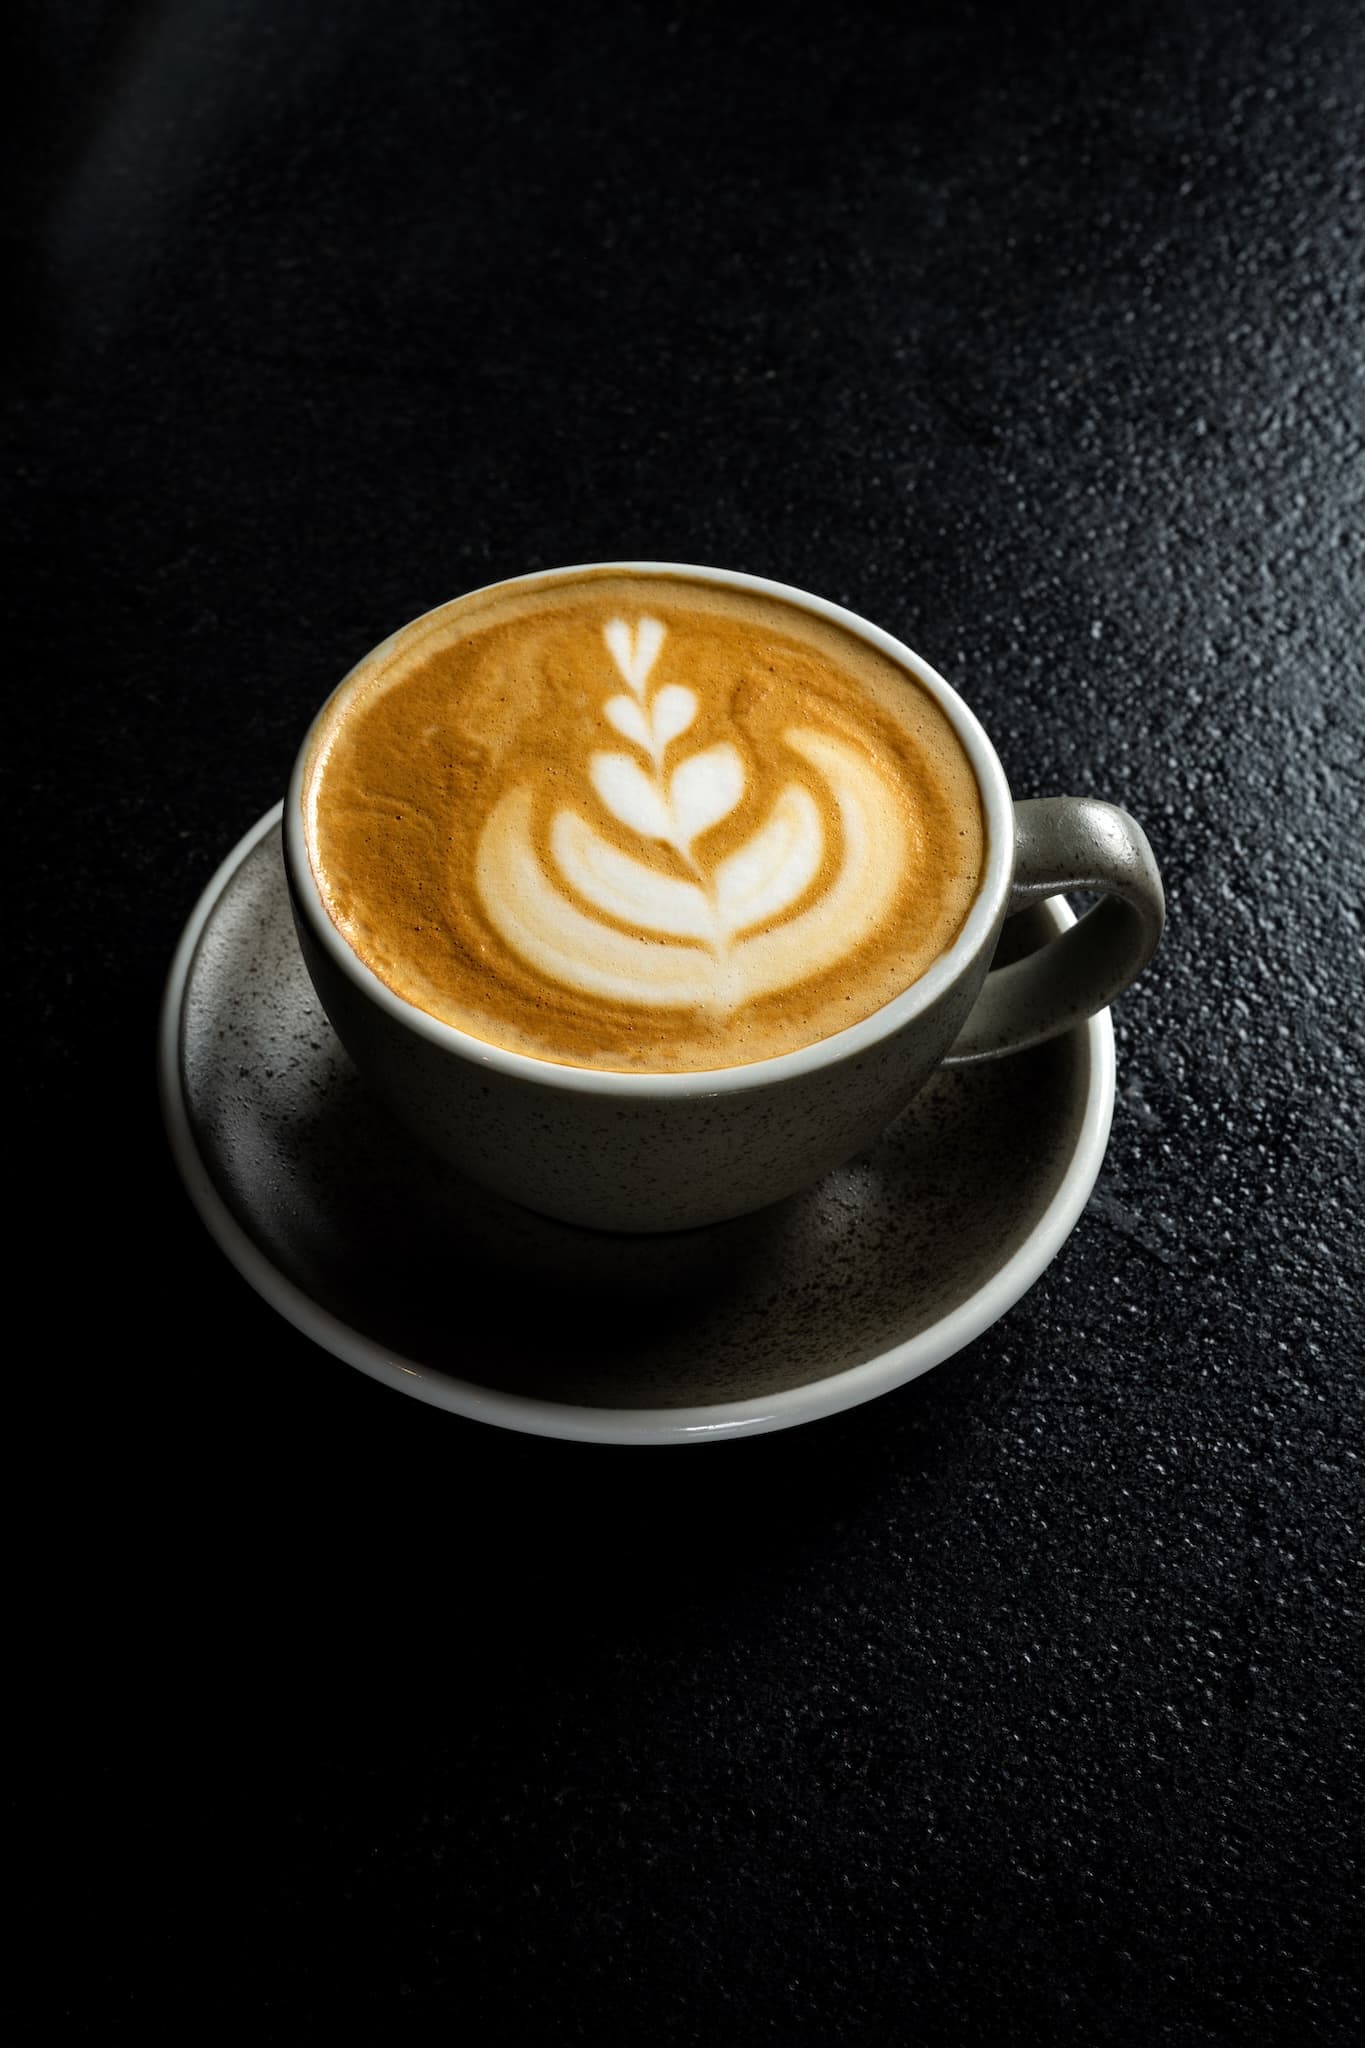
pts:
[630, 796]
[597, 919]
[625, 888]
[770, 873]
[876, 853]
[704, 790]
[673, 711]
[774, 869]
[634, 650]
[544, 926]
[765, 880]
[630, 719]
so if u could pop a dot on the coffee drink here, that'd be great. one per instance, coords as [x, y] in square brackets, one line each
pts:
[641, 822]
[644, 895]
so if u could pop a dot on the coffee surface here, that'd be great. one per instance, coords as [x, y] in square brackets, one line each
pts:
[641, 823]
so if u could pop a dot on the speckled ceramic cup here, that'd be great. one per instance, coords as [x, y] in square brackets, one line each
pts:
[652, 1152]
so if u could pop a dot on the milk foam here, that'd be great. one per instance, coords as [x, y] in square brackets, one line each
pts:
[677, 833]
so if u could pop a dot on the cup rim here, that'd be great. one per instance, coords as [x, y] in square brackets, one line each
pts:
[982, 918]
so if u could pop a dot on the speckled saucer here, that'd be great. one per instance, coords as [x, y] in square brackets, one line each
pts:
[389, 1260]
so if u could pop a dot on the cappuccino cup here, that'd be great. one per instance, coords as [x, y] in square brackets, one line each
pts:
[646, 894]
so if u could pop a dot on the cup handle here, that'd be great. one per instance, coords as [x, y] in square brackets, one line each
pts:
[1069, 842]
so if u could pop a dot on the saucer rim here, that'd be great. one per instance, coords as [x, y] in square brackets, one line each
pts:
[847, 1388]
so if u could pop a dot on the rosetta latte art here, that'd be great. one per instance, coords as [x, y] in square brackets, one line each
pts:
[810, 883]
[640, 821]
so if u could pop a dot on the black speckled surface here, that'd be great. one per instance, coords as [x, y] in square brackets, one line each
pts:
[1021, 1705]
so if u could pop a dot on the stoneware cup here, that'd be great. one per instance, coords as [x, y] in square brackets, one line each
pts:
[639, 1152]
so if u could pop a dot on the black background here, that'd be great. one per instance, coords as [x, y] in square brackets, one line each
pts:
[1020, 1705]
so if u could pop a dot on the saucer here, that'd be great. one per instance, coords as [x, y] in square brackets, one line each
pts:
[385, 1257]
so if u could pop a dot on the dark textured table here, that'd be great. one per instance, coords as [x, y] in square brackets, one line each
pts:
[1021, 1704]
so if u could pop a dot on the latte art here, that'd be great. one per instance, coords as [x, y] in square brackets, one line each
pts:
[639, 822]
[733, 933]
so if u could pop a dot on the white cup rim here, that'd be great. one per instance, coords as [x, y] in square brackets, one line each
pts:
[981, 922]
